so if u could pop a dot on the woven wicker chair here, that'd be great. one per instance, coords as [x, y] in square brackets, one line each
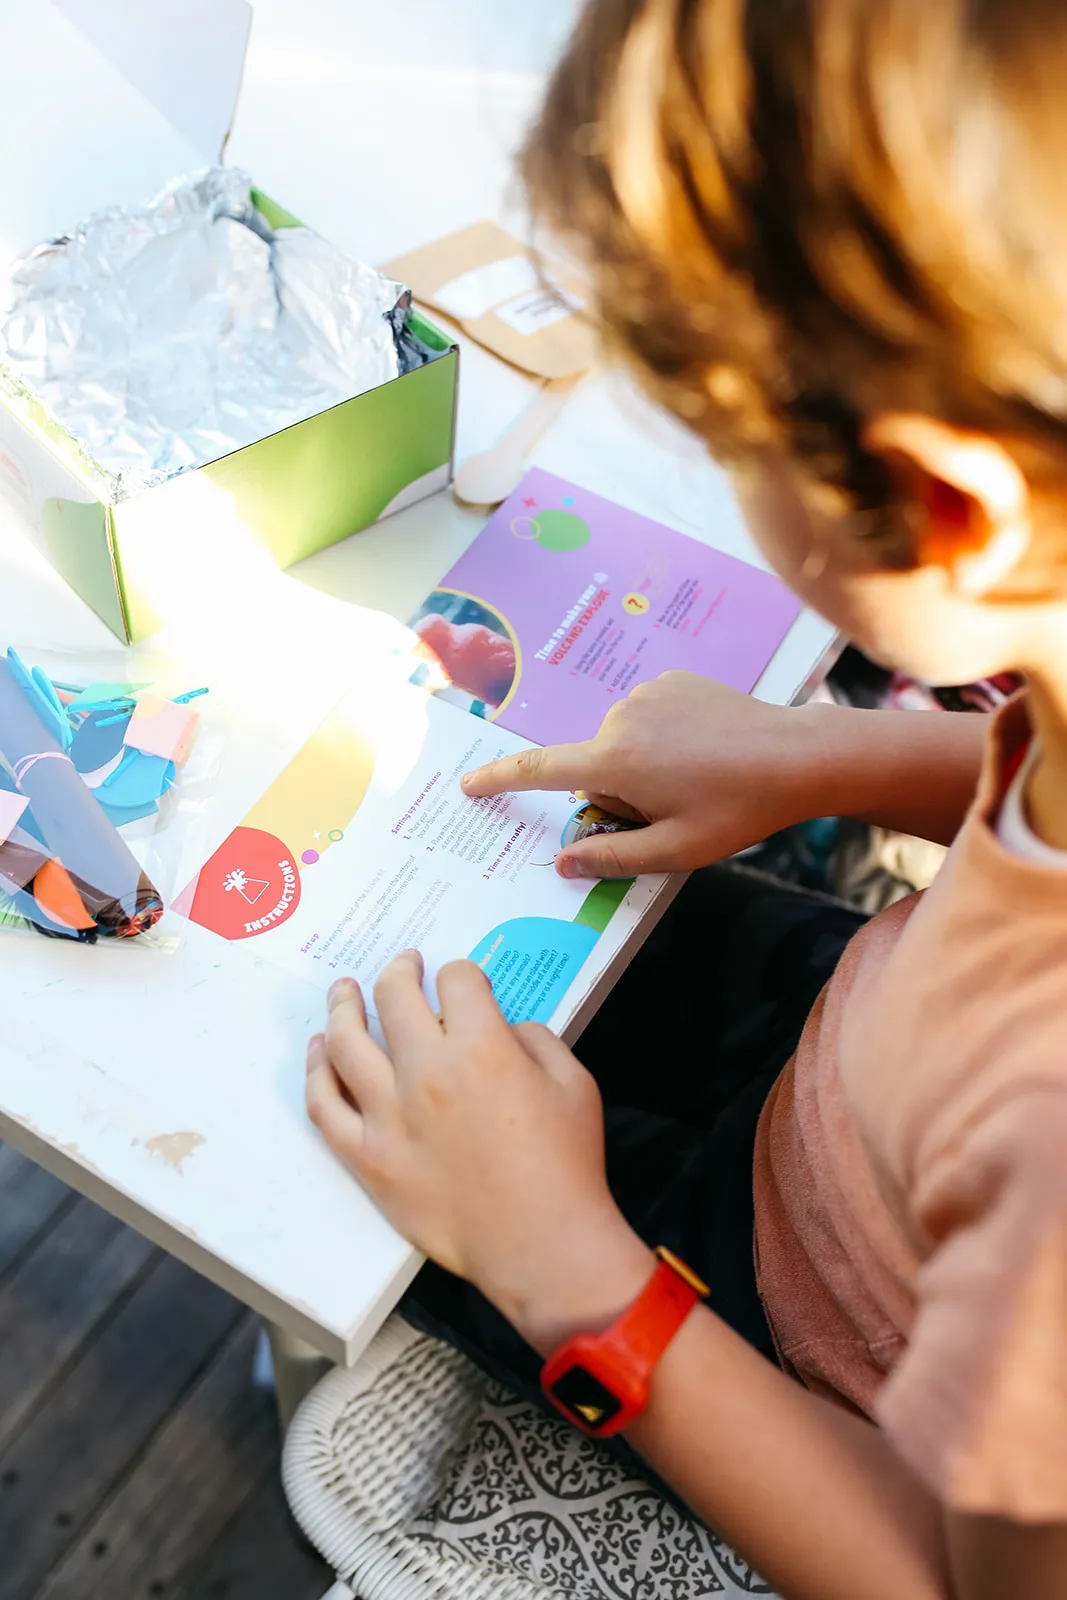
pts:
[417, 1479]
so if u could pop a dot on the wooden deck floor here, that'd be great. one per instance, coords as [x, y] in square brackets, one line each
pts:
[137, 1460]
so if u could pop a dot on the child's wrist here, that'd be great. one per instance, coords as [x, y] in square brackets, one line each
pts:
[808, 757]
[583, 1285]
[833, 761]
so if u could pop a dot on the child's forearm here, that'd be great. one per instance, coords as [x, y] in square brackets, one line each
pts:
[814, 1496]
[914, 772]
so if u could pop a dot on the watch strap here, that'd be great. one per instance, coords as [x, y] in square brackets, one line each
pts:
[649, 1324]
[619, 1362]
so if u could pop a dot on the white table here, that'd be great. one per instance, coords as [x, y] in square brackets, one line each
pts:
[171, 1090]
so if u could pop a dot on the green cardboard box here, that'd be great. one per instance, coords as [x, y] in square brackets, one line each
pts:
[149, 113]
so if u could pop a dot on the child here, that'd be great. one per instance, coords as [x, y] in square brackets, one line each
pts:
[830, 235]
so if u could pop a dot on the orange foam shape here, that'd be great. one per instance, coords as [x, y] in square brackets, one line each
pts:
[59, 899]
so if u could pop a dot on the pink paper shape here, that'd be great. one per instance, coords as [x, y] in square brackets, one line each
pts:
[11, 808]
[158, 727]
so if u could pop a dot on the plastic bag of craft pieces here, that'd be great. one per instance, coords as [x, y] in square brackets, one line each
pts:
[108, 770]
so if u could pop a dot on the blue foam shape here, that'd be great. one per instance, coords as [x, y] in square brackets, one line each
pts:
[95, 746]
[48, 693]
[119, 816]
[139, 782]
[56, 724]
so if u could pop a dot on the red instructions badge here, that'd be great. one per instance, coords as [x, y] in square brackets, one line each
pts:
[250, 885]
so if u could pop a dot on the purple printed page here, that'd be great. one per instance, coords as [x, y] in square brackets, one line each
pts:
[565, 602]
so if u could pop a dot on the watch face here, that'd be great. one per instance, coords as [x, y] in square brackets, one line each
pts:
[586, 1398]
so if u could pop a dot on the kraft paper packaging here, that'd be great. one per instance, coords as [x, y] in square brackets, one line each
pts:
[487, 282]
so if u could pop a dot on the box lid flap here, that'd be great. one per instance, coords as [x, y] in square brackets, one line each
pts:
[105, 101]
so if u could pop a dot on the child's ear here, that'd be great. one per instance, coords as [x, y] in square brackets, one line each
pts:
[972, 501]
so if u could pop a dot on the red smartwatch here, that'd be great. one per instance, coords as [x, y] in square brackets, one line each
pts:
[600, 1381]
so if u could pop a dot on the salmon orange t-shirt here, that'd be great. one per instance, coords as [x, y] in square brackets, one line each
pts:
[910, 1175]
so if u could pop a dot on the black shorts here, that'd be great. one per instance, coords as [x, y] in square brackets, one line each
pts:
[685, 1051]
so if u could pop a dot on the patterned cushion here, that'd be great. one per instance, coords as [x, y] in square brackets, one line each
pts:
[530, 1497]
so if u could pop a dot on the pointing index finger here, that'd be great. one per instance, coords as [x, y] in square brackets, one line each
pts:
[557, 766]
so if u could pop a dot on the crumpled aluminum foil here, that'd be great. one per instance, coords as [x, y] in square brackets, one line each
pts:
[164, 337]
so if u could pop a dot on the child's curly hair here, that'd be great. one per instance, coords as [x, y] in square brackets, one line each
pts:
[800, 212]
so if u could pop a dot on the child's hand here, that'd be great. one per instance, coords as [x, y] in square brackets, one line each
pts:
[710, 769]
[483, 1144]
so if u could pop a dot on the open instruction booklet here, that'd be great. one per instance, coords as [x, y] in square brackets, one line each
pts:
[365, 844]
